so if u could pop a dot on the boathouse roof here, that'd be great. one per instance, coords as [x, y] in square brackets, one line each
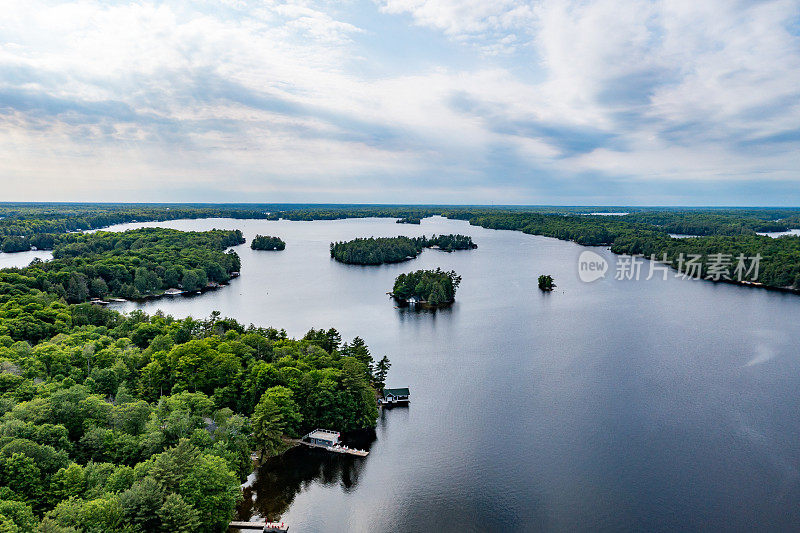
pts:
[396, 392]
[324, 434]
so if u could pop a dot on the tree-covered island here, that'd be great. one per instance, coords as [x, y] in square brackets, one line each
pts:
[267, 242]
[428, 287]
[546, 282]
[376, 251]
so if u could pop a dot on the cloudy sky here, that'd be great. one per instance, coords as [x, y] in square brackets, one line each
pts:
[402, 101]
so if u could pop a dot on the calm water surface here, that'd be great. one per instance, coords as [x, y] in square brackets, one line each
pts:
[23, 259]
[616, 405]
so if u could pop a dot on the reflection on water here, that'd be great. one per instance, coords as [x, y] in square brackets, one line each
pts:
[279, 479]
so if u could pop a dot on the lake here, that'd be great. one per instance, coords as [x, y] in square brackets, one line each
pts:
[23, 259]
[613, 405]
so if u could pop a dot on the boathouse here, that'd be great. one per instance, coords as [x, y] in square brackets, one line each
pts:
[324, 437]
[395, 395]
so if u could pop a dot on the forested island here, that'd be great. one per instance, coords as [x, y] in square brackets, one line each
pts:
[136, 423]
[376, 251]
[267, 242]
[409, 220]
[429, 287]
[546, 282]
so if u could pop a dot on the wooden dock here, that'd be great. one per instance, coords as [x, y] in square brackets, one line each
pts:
[261, 526]
[334, 449]
[337, 449]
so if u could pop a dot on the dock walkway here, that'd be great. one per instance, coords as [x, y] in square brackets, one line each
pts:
[334, 449]
[261, 526]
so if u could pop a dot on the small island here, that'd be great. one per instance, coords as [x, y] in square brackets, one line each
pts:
[546, 283]
[430, 288]
[267, 242]
[376, 251]
[409, 220]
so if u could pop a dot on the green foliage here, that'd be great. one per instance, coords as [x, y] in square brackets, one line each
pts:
[212, 489]
[436, 287]
[143, 403]
[266, 242]
[375, 251]
[381, 371]
[20, 474]
[275, 415]
[131, 264]
[546, 282]
[19, 514]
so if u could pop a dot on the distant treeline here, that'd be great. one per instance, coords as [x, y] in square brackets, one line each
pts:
[707, 223]
[30, 220]
[22, 221]
[376, 251]
[434, 287]
[267, 242]
[644, 229]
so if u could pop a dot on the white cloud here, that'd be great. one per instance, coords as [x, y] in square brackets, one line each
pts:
[271, 95]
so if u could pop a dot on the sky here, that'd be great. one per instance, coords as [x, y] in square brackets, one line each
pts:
[596, 102]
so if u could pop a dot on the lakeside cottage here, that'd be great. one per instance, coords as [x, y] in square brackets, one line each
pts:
[395, 396]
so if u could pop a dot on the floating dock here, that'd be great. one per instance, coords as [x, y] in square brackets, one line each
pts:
[266, 527]
[337, 448]
[328, 440]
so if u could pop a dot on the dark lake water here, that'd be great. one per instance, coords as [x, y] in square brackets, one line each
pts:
[614, 405]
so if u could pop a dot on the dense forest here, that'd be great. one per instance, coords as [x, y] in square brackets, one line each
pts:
[433, 287]
[267, 242]
[146, 423]
[376, 251]
[133, 263]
